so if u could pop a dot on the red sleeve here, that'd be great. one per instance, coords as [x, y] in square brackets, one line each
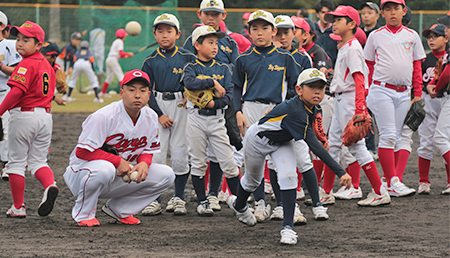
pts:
[147, 158]
[417, 81]
[122, 54]
[91, 59]
[98, 154]
[371, 65]
[360, 93]
[11, 99]
[444, 79]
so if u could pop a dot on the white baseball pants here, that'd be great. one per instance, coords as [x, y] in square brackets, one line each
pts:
[428, 126]
[113, 69]
[83, 66]
[5, 123]
[442, 133]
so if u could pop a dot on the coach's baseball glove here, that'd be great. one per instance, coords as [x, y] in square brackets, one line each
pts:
[60, 81]
[200, 98]
[319, 132]
[415, 115]
[356, 129]
[438, 69]
[109, 149]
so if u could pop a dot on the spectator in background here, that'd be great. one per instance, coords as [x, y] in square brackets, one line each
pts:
[324, 29]
[244, 30]
[302, 13]
[242, 42]
[370, 13]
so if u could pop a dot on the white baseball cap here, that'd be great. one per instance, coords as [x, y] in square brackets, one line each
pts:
[205, 30]
[284, 21]
[311, 75]
[212, 5]
[3, 18]
[167, 18]
[262, 15]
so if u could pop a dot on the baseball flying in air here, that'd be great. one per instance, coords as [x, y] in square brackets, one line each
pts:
[133, 28]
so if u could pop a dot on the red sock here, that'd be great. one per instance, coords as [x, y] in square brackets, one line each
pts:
[400, 164]
[387, 162]
[224, 185]
[300, 178]
[105, 87]
[318, 167]
[424, 170]
[446, 157]
[354, 170]
[17, 185]
[207, 179]
[266, 173]
[328, 179]
[372, 174]
[45, 176]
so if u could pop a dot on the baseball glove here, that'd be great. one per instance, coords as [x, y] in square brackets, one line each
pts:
[200, 98]
[415, 115]
[109, 149]
[319, 132]
[353, 133]
[438, 69]
[60, 81]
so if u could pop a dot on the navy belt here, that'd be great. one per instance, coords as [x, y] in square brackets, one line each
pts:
[208, 112]
[270, 142]
[166, 95]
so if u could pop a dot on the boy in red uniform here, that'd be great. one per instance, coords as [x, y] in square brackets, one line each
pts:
[29, 103]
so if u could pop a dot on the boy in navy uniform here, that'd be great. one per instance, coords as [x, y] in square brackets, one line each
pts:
[285, 134]
[207, 125]
[165, 67]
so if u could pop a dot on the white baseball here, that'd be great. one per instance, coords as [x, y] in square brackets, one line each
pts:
[133, 28]
[133, 176]
[126, 178]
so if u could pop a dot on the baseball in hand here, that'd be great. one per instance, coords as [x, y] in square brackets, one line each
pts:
[133, 175]
[133, 28]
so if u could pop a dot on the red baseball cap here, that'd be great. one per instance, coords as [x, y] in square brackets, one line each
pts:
[135, 74]
[246, 16]
[343, 11]
[30, 30]
[301, 23]
[120, 33]
[383, 2]
[360, 35]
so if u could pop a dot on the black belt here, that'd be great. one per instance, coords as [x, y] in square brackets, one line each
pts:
[270, 142]
[207, 112]
[263, 101]
[166, 95]
[3, 90]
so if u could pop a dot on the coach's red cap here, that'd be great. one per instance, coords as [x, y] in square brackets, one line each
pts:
[383, 2]
[135, 74]
[342, 11]
[30, 30]
[301, 23]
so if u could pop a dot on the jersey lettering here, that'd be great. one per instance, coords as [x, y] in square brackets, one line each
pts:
[45, 84]
[124, 145]
[177, 71]
[275, 68]
[429, 74]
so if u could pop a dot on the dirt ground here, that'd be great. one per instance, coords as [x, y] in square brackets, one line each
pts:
[417, 226]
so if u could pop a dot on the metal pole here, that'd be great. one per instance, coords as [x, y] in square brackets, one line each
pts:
[37, 14]
[420, 21]
[147, 26]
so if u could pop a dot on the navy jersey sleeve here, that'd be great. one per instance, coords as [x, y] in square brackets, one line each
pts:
[188, 45]
[146, 67]
[293, 69]
[234, 55]
[191, 82]
[228, 86]
[238, 80]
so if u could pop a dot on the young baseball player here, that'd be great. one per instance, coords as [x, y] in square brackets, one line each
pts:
[244, 30]
[9, 58]
[370, 13]
[207, 125]
[29, 103]
[51, 51]
[393, 55]
[165, 67]
[348, 86]
[323, 29]
[131, 129]
[285, 135]
[96, 38]
[68, 52]
[438, 43]
[112, 61]
[262, 78]
[83, 64]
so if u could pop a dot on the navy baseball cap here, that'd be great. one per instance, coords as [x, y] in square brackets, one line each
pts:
[439, 29]
[407, 17]
[50, 48]
[310, 23]
[445, 19]
[75, 35]
[135, 74]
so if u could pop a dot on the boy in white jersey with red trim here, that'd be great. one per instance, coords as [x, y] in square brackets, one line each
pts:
[348, 86]
[9, 58]
[393, 54]
[131, 128]
[29, 103]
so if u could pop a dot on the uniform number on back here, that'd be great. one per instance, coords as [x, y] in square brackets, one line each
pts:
[45, 83]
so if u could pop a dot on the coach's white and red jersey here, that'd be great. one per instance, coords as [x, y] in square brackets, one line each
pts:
[9, 57]
[116, 46]
[350, 59]
[112, 125]
[394, 54]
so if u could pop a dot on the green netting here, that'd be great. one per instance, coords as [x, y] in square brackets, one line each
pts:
[111, 19]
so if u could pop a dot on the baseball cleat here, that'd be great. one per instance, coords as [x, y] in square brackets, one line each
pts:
[89, 223]
[277, 213]
[262, 211]
[424, 188]
[299, 219]
[98, 100]
[5, 176]
[204, 209]
[48, 201]
[446, 191]
[129, 220]
[348, 194]
[223, 197]
[245, 215]
[17, 213]
[214, 202]
[300, 194]
[169, 207]
[326, 198]
[374, 199]
[320, 213]
[152, 209]
[398, 189]
[268, 188]
[288, 236]
[179, 206]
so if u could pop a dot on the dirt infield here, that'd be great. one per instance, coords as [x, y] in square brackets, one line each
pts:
[417, 226]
